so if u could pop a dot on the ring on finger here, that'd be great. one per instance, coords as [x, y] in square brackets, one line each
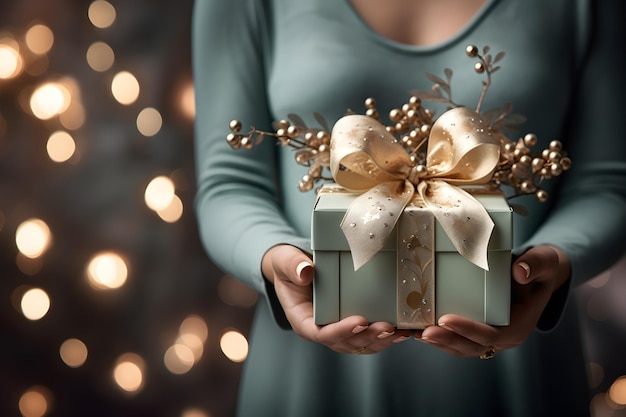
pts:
[489, 353]
[360, 350]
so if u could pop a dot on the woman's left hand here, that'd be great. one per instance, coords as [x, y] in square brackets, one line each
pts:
[537, 274]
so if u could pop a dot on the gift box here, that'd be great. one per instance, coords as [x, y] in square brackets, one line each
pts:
[418, 275]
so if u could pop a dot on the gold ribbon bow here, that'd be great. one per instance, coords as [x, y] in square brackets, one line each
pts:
[364, 157]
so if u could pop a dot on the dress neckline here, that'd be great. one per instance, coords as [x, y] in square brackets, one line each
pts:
[411, 48]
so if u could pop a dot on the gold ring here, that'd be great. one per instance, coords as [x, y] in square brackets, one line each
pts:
[490, 353]
[359, 350]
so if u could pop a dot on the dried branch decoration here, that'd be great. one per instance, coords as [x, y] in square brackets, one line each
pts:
[519, 168]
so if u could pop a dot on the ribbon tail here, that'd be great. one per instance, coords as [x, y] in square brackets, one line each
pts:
[466, 222]
[371, 217]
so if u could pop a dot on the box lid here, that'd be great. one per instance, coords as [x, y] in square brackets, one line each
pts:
[333, 201]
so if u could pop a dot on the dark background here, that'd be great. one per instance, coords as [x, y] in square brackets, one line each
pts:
[94, 202]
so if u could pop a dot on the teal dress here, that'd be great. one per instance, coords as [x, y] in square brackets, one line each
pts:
[259, 60]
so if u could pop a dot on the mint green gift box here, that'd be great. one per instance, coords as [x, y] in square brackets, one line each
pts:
[416, 294]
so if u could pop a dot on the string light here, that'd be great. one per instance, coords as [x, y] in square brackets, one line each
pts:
[234, 345]
[33, 237]
[36, 402]
[107, 270]
[102, 14]
[100, 56]
[35, 304]
[49, 100]
[149, 121]
[11, 62]
[125, 87]
[39, 39]
[73, 352]
[128, 372]
[60, 146]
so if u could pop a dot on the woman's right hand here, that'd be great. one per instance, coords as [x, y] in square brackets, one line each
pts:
[291, 272]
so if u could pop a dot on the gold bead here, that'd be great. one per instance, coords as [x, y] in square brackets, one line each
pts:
[537, 164]
[525, 160]
[234, 140]
[293, 132]
[542, 196]
[479, 67]
[284, 124]
[235, 125]
[370, 103]
[528, 187]
[246, 142]
[395, 115]
[566, 163]
[373, 113]
[415, 102]
[282, 132]
[530, 139]
[556, 170]
[323, 148]
[554, 156]
[471, 50]
[545, 154]
[425, 129]
[323, 136]
[556, 146]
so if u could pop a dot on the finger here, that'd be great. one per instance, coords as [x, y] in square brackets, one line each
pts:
[461, 336]
[450, 342]
[375, 338]
[535, 264]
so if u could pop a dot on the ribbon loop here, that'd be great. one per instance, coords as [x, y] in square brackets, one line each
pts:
[365, 157]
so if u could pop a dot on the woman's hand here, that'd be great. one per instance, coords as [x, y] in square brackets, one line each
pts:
[537, 274]
[291, 271]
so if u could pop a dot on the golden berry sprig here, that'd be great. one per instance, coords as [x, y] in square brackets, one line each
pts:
[410, 124]
[311, 144]
[524, 171]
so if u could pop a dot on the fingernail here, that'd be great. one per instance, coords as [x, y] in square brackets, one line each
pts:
[444, 325]
[429, 340]
[525, 267]
[301, 266]
[400, 339]
[384, 335]
[358, 329]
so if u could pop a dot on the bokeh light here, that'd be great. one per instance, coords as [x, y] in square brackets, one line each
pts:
[60, 146]
[617, 392]
[235, 293]
[179, 359]
[194, 412]
[101, 14]
[36, 402]
[173, 212]
[125, 88]
[100, 56]
[49, 99]
[11, 62]
[73, 352]
[128, 372]
[234, 345]
[33, 237]
[35, 304]
[39, 39]
[107, 270]
[187, 101]
[159, 193]
[149, 121]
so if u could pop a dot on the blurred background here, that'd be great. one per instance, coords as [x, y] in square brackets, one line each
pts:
[108, 304]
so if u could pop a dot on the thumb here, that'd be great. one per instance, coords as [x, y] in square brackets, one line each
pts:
[290, 263]
[534, 264]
